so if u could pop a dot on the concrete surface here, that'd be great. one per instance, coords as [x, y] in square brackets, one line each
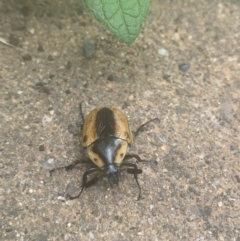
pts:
[191, 179]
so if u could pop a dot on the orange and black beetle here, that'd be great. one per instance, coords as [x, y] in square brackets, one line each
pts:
[106, 137]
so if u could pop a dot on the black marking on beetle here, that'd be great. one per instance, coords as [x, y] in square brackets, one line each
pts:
[85, 138]
[105, 123]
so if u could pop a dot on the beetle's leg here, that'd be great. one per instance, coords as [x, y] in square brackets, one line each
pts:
[141, 127]
[72, 165]
[85, 183]
[135, 171]
[128, 156]
[92, 182]
[69, 167]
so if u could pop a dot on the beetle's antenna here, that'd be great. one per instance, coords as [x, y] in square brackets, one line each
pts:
[140, 190]
[141, 126]
[81, 111]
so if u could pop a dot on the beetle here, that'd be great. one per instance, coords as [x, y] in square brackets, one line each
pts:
[106, 137]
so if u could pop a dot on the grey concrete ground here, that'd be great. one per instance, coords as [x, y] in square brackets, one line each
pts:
[184, 68]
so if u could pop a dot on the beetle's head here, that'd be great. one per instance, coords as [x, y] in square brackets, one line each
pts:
[112, 174]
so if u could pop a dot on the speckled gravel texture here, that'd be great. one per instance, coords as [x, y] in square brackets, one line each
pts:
[191, 177]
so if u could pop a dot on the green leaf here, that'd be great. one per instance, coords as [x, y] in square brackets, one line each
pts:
[124, 18]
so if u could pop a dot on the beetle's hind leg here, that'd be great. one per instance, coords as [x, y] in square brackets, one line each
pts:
[135, 171]
[140, 128]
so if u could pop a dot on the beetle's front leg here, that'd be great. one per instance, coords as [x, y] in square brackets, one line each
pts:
[69, 167]
[135, 171]
[85, 183]
[137, 157]
[72, 165]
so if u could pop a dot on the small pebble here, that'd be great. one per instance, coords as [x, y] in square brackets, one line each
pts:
[61, 198]
[162, 138]
[46, 119]
[72, 129]
[89, 48]
[166, 76]
[163, 52]
[36, 81]
[91, 235]
[184, 67]
[49, 164]
[27, 57]
[41, 147]
[8, 230]
[68, 65]
[131, 97]
[234, 149]
[220, 204]
[71, 190]
[40, 48]
[50, 57]
[31, 30]
[226, 112]
[150, 221]
[111, 78]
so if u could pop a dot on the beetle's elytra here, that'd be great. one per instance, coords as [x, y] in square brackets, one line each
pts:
[106, 137]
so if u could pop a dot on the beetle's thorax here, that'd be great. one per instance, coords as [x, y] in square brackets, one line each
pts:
[107, 151]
